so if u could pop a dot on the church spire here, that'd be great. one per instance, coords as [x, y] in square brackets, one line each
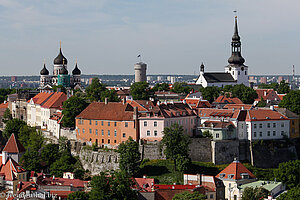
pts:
[236, 56]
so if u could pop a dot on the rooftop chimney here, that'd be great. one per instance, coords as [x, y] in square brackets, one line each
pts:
[106, 101]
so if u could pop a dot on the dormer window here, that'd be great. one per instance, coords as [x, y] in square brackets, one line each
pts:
[245, 175]
[222, 175]
[230, 176]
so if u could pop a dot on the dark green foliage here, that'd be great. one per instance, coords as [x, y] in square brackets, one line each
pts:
[189, 196]
[292, 194]
[31, 161]
[181, 88]
[246, 94]
[291, 101]
[4, 93]
[183, 162]
[161, 87]
[207, 134]
[60, 88]
[49, 154]
[7, 115]
[79, 195]
[65, 163]
[111, 96]
[176, 143]
[13, 126]
[130, 156]
[261, 103]
[257, 193]
[269, 86]
[140, 91]
[95, 90]
[283, 87]
[116, 186]
[289, 173]
[71, 108]
[210, 93]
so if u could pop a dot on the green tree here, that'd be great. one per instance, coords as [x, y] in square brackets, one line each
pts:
[4, 93]
[246, 94]
[256, 193]
[283, 87]
[261, 103]
[210, 93]
[140, 91]
[183, 162]
[207, 134]
[7, 115]
[71, 108]
[60, 88]
[64, 164]
[292, 194]
[31, 161]
[49, 154]
[176, 143]
[13, 126]
[181, 88]
[161, 87]
[130, 156]
[79, 195]
[101, 187]
[268, 86]
[95, 89]
[111, 96]
[189, 196]
[291, 101]
[289, 173]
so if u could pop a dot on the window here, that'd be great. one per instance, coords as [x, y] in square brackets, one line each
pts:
[232, 72]
[274, 133]
[282, 124]
[102, 140]
[274, 125]
[211, 196]
[115, 141]
[145, 123]
[108, 141]
[148, 133]
[83, 130]
[101, 123]
[260, 134]
[217, 135]
[108, 132]
[245, 72]
[90, 130]
[282, 133]
[269, 125]
[254, 134]
[124, 135]
[269, 133]
[254, 125]
[96, 131]
[90, 122]
[155, 133]
[96, 122]
[102, 132]
[79, 130]
[115, 123]
[239, 72]
[108, 123]
[155, 123]
[126, 124]
[260, 125]
[115, 132]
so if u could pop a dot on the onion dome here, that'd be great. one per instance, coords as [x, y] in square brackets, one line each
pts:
[64, 71]
[76, 71]
[236, 58]
[44, 71]
[60, 59]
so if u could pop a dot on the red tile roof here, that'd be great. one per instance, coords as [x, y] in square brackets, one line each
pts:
[55, 101]
[116, 111]
[218, 124]
[269, 94]
[264, 115]
[208, 112]
[40, 97]
[9, 168]
[238, 106]
[13, 145]
[235, 170]
[4, 105]
[227, 100]
[144, 184]
[198, 103]
[281, 96]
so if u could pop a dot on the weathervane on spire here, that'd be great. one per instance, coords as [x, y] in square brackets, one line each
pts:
[235, 13]
[139, 56]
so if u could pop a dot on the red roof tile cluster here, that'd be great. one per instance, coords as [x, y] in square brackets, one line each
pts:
[234, 171]
[9, 169]
[264, 115]
[13, 145]
[198, 103]
[116, 111]
[49, 99]
[218, 124]
[239, 106]
[267, 94]
[144, 184]
[208, 112]
[227, 100]
[4, 105]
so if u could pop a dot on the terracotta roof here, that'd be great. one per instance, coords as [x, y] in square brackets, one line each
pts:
[62, 194]
[218, 124]
[175, 187]
[4, 105]
[170, 110]
[55, 100]
[63, 182]
[238, 106]
[227, 100]
[116, 111]
[40, 97]
[212, 112]
[9, 168]
[281, 96]
[234, 171]
[269, 94]
[198, 103]
[144, 184]
[143, 105]
[287, 113]
[13, 145]
[264, 115]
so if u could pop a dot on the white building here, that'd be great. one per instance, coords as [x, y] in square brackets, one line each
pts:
[235, 73]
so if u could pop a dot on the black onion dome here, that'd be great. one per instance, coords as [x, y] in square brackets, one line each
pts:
[44, 71]
[236, 58]
[76, 71]
[64, 71]
[60, 59]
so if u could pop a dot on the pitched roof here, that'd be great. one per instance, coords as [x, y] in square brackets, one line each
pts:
[144, 184]
[238, 106]
[4, 105]
[212, 112]
[55, 100]
[116, 111]
[215, 77]
[9, 168]
[227, 100]
[287, 113]
[170, 110]
[13, 145]
[41, 97]
[234, 171]
[264, 115]
[218, 124]
[198, 103]
[266, 94]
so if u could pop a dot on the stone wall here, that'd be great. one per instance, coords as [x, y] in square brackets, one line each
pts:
[200, 149]
[224, 151]
[152, 151]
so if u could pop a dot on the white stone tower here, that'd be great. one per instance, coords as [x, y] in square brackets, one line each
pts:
[140, 72]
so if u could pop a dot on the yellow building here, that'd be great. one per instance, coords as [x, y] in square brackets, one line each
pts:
[294, 122]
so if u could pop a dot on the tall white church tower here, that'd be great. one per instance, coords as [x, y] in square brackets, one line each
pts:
[236, 66]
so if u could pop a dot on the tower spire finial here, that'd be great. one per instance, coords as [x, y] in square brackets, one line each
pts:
[60, 44]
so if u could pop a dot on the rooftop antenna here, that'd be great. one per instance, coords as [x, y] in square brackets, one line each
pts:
[293, 85]
[140, 57]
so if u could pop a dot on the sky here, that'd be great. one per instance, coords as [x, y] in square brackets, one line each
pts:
[172, 36]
